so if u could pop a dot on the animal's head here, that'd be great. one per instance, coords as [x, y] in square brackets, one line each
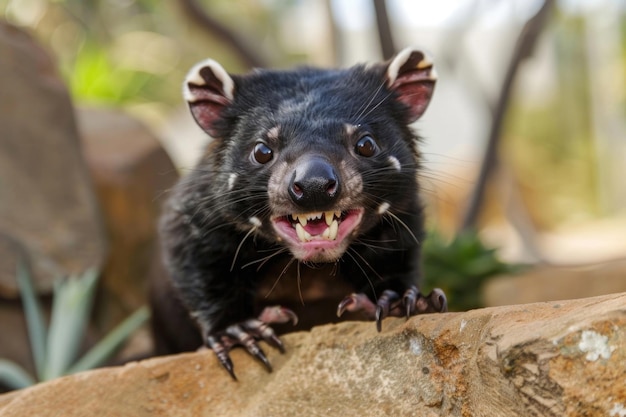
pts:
[312, 159]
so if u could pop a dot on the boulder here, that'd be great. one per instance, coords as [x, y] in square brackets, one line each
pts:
[546, 359]
[548, 282]
[132, 174]
[48, 210]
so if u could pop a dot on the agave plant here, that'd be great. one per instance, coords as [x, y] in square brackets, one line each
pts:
[55, 348]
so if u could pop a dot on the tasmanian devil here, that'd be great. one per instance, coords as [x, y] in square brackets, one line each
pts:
[304, 205]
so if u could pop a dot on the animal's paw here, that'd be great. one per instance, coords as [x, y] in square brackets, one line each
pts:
[390, 303]
[247, 333]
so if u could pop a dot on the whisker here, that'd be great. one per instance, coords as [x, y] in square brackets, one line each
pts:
[279, 277]
[299, 280]
[363, 109]
[232, 266]
[348, 252]
[264, 260]
[397, 219]
[377, 105]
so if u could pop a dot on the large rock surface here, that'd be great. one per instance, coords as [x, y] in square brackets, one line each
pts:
[547, 359]
[48, 210]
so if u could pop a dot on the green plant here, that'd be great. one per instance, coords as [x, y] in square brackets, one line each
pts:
[460, 267]
[55, 348]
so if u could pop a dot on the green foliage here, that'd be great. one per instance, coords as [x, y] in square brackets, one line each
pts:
[55, 349]
[460, 267]
[96, 79]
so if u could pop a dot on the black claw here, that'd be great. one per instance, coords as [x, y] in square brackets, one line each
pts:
[379, 318]
[277, 343]
[228, 365]
[221, 352]
[258, 353]
[343, 305]
[410, 296]
[291, 315]
[439, 300]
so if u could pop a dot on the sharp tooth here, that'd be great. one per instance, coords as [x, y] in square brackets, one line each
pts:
[302, 219]
[329, 217]
[333, 229]
[337, 214]
[301, 232]
[307, 236]
[326, 233]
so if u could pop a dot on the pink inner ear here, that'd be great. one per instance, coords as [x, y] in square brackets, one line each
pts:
[207, 102]
[415, 85]
[416, 95]
[206, 113]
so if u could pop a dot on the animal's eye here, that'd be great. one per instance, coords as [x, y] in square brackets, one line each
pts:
[262, 153]
[366, 146]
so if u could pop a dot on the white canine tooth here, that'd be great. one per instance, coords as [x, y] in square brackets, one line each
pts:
[307, 236]
[301, 232]
[326, 233]
[333, 229]
[329, 216]
[302, 219]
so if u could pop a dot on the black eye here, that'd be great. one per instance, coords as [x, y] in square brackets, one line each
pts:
[366, 146]
[262, 153]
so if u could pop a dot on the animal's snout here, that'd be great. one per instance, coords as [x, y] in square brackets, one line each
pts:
[314, 184]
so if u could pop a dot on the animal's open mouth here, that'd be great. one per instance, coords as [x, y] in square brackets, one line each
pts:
[319, 231]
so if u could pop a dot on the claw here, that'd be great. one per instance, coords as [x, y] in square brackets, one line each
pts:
[222, 355]
[263, 331]
[258, 353]
[343, 305]
[390, 304]
[415, 302]
[409, 299]
[439, 300]
[277, 343]
[379, 318]
[247, 333]
[278, 314]
[384, 306]
[243, 335]
[228, 365]
[356, 302]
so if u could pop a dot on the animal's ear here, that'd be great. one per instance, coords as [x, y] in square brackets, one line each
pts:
[208, 89]
[412, 75]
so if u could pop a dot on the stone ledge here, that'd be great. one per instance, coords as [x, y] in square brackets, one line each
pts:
[563, 358]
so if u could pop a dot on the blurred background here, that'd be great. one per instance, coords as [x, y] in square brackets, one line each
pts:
[524, 141]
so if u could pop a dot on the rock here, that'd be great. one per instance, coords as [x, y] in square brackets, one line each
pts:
[549, 283]
[132, 174]
[14, 344]
[47, 205]
[544, 359]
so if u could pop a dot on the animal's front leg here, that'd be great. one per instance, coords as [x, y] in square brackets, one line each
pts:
[389, 303]
[247, 333]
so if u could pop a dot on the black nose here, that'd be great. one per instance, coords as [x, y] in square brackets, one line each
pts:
[314, 184]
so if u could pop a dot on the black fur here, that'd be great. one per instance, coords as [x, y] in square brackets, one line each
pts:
[224, 269]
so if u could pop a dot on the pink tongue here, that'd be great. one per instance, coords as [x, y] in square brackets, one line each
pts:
[315, 227]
